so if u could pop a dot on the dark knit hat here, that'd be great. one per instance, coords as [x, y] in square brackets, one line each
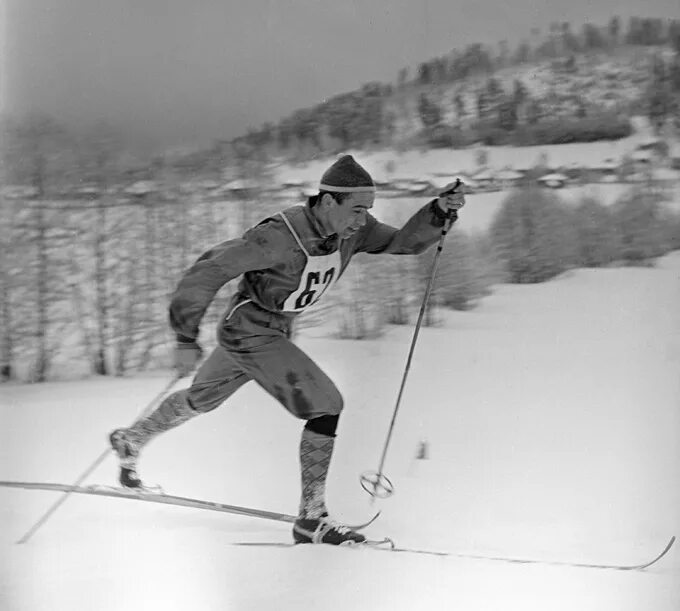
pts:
[346, 176]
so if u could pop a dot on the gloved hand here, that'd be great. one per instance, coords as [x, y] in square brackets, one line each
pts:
[452, 196]
[188, 354]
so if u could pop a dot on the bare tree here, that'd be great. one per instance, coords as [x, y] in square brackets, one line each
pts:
[7, 286]
[41, 140]
[126, 276]
[100, 150]
[149, 240]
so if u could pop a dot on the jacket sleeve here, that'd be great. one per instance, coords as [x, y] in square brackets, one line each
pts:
[259, 248]
[420, 232]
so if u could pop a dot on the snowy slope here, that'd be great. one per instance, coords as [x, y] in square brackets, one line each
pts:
[421, 163]
[552, 417]
[481, 208]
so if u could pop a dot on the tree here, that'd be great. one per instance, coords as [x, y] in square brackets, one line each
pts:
[474, 59]
[570, 64]
[660, 99]
[100, 151]
[533, 236]
[459, 105]
[503, 54]
[125, 273]
[337, 119]
[646, 32]
[440, 70]
[633, 33]
[429, 112]
[597, 238]
[494, 88]
[593, 38]
[483, 105]
[570, 42]
[523, 53]
[489, 99]
[507, 115]
[388, 127]
[305, 127]
[640, 225]
[674, 73]
[658, 69]
[614, 29]
[520, 92]
[9, 281]
[284, 133]
[581, 109]
[371, 119]
[424, 73]
[674, 35]
[42, 141]
[534, 112]
[462, 277]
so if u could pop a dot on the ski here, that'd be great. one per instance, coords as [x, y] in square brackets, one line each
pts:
[387, 545]
[166, 499]
[586, 565]
[384, 544]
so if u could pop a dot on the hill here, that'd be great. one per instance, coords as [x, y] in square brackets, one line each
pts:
[565, 87]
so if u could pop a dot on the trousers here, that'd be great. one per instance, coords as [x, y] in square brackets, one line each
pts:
[254, 345]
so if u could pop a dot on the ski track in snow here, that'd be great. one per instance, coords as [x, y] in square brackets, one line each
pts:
[552, 419]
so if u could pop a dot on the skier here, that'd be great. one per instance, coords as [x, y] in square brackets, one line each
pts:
[287, 262]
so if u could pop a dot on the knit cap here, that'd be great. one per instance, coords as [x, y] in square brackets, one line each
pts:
[346, 176]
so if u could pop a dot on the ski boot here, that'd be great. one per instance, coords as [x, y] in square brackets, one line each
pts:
[325, 530]
[123, 444]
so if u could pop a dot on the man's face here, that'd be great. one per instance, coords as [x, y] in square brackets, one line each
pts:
[347, 218]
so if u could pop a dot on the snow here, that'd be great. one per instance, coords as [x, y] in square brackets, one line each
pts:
[481, 208]
[551, 415]
[446, 165]
[415, 163]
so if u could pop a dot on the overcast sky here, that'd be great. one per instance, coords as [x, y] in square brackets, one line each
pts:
[188, 71]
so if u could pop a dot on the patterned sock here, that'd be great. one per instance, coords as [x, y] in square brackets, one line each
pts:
[315, 457]
[173, 411]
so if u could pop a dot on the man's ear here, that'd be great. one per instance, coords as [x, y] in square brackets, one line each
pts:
[326, 199]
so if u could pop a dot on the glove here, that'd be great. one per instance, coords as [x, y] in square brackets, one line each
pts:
[187, 356]
[452, 198]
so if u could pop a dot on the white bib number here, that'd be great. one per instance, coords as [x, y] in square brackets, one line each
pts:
[319, 276]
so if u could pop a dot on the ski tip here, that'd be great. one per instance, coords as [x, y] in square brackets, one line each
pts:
[659, 557]
[667, 548]
[670, 544]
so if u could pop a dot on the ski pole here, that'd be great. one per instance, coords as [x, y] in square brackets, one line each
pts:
[46, 516]
[375, 482]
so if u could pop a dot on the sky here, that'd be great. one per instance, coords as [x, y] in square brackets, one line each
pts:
[189, 72]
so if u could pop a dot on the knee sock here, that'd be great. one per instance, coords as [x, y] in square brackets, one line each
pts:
[173, 411]
[316, 450]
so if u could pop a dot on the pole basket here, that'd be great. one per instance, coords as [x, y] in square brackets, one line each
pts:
[376, 484]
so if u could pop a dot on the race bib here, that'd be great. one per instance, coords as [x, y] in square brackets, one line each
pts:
[319, 275]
